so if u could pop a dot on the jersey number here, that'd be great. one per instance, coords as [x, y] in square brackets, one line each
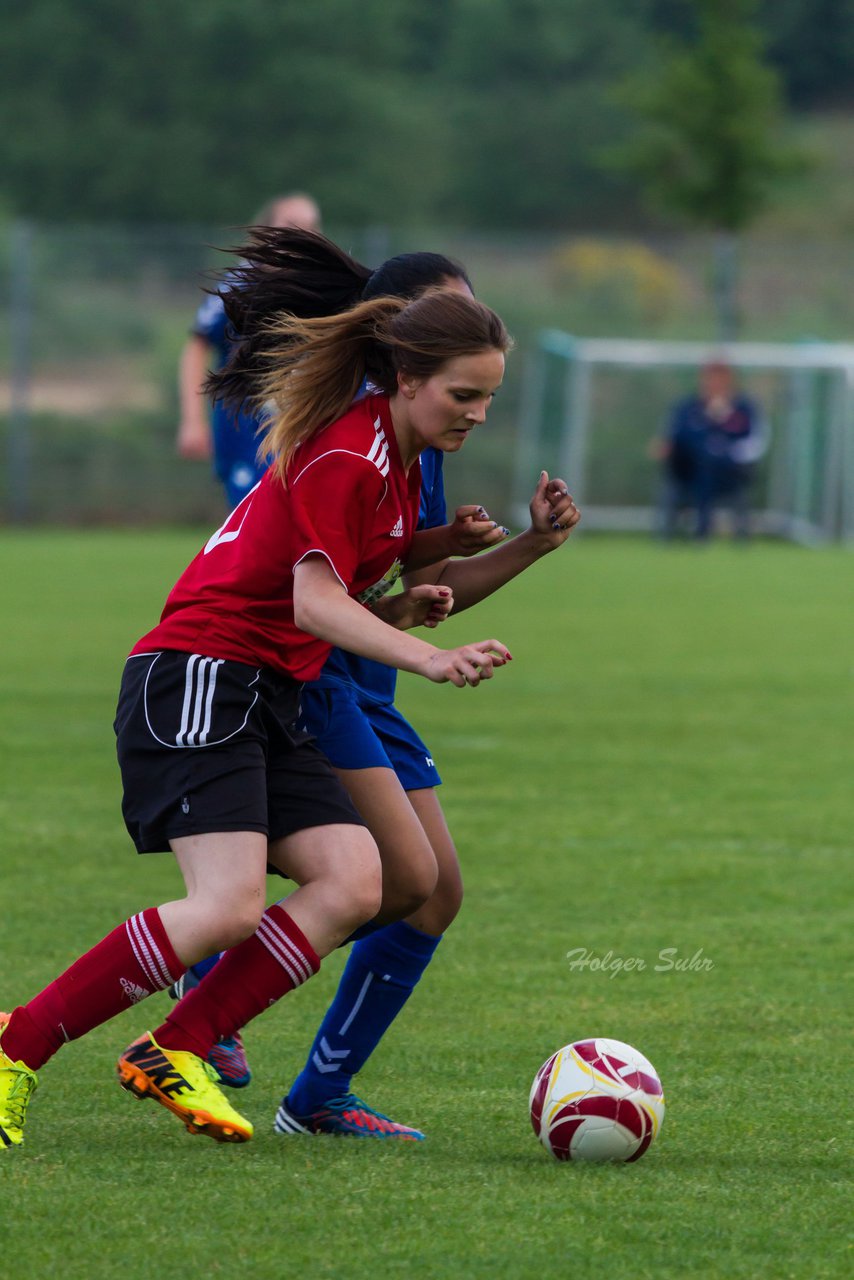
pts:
[223, 533]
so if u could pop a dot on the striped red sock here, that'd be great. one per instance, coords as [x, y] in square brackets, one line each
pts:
[245, 982]
[133, 961]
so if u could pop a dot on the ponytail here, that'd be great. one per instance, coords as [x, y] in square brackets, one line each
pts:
[281, 270]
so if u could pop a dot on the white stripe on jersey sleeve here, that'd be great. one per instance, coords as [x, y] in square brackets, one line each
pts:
[381, 462]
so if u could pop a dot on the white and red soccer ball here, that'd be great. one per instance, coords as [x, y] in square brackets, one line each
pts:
[597, 1100]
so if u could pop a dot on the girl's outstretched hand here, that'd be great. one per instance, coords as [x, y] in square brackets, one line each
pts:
[472, 531]
[467, 665]
[553, 513]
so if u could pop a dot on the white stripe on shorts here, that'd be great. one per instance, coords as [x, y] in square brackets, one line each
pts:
[199, 689]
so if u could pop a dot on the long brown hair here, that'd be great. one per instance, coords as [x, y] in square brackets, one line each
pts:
[318, 365]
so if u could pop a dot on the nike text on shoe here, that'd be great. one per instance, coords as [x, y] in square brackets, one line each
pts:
[344, 1117]
[17, 1085]
[185, 1085]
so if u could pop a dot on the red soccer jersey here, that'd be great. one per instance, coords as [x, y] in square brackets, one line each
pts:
[347, 497]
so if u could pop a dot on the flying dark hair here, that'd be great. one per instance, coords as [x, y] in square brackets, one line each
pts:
[288, 271]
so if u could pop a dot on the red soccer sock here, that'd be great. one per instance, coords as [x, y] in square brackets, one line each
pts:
[245, 982]
[131, 963]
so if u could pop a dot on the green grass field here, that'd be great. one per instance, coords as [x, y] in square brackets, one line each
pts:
[665, 765]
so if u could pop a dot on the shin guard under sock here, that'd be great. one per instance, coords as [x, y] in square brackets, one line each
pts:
[131, 963]
[247, 980]
[380, 976]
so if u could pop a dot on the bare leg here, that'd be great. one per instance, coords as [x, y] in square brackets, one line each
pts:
[443, 905]
[381, 973]
[409, 864]
[338, 873]
[225, 876]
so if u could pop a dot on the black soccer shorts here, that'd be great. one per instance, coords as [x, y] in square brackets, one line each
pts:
[205, 744]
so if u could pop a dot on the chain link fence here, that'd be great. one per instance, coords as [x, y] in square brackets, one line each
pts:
[94, 317]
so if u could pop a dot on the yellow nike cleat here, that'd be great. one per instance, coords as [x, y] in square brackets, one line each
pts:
[184, 1084]
[17, 1085]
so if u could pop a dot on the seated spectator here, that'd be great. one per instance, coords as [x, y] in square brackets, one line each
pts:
[713, 441]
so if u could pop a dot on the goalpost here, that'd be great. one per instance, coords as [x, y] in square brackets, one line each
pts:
[592, 406]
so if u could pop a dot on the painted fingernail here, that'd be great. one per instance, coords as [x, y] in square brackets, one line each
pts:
[505, 531]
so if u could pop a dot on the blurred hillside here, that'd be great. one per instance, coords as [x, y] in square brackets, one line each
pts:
[819, 201]
[461, 113]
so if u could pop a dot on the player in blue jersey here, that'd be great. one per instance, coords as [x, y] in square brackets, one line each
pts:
[350, 709]
[229, 437]
[390, 774]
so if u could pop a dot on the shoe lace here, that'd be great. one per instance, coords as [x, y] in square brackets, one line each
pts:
[200, 1073]
[362, 1113]
[19, 1095]
[352, 1102]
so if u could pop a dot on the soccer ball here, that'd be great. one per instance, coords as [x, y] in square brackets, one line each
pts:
[597, 1100]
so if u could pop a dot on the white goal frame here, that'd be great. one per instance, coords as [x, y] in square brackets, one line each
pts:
[787, 511]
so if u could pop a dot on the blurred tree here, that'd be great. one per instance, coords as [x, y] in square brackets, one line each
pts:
[811, 43]
[200, 111]
[526, 93]
[481, 112]
[706, 144]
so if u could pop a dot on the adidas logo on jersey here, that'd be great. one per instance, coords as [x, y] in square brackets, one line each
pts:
[397, 531]
[133, 992]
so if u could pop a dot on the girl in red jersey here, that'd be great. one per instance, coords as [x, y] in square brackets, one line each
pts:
[213, 766]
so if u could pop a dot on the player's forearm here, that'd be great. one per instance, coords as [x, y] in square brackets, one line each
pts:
[473, 580]
[192, 371]
[429, 546]
[333, 616]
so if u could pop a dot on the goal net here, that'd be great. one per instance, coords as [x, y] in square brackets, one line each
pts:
[592, 408]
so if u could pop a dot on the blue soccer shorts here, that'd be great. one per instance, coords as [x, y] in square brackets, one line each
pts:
[354, 733]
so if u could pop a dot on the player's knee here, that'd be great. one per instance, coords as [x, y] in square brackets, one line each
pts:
[239, 926]
[408, 885]
[442, 907]
[363, 891]
[357, 880]
[419, 889]
[234, 922]
[447, 902]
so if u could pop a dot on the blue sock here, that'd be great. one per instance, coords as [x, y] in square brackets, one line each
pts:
[378, 979]
[205, 966]
[363, 931]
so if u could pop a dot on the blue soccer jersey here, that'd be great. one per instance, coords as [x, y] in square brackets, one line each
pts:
[375, 680]
[349, 708]
[235, 434]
